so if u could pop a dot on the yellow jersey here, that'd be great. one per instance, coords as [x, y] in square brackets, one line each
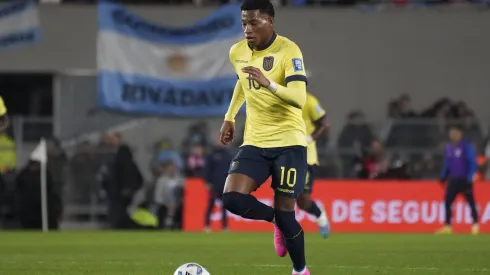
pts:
[270, 122]
[312, 111]
[3, 109]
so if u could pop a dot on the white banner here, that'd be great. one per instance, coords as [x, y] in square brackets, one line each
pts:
[148, 68]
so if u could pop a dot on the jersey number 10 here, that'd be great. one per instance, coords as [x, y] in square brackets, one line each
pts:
[253, 83]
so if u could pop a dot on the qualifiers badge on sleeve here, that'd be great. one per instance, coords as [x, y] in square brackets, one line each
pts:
[297, 64]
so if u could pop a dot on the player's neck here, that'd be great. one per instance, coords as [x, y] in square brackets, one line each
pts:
[266, 45]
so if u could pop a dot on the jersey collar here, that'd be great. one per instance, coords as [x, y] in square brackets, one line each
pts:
[268, 44]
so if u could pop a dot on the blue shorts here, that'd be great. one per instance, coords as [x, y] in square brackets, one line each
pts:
[286, 165]
[310, 179]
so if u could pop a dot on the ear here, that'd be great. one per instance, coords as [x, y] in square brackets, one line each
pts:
[271, 20]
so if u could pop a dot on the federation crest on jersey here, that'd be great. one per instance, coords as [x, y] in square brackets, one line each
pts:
[268, 63]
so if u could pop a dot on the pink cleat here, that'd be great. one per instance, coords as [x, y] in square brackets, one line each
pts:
[304, 272]
[279, 243]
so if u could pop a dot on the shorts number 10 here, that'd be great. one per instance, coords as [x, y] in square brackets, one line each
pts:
[290, 176]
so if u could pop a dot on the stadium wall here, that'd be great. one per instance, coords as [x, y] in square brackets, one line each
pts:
[356, 206]
[356, 59]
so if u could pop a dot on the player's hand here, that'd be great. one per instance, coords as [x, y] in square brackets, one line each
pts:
[257, 75]
[227, 132]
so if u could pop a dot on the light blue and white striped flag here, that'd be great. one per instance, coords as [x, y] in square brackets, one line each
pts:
[153, 69]
[19, 24]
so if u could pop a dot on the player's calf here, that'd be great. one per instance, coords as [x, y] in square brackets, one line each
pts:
[247, 206]
[305, 203]
[293, 233]
[237, 199]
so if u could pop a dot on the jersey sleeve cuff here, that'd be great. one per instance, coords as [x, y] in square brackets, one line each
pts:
[295, 77]
[229, 117]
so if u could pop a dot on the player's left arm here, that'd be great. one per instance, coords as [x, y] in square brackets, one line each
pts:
[471, 159]
[294, 93]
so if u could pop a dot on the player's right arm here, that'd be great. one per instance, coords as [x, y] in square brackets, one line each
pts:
[236, 103]
[227, 132]
[294, 93]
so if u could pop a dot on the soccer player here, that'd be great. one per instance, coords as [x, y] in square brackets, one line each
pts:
[316, 123]
[272, 81]
[459, 168]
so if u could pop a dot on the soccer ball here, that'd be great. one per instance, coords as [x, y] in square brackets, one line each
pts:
[191, 269]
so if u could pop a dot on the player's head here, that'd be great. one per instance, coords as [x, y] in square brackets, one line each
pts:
[455, 134]
[257, 21]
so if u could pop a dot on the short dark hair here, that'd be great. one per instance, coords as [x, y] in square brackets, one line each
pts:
[264, 6]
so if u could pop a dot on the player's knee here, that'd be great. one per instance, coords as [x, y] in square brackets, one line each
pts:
[303, 202]
[239, 183]
[233, 202]
[286, 221]
[284, 203]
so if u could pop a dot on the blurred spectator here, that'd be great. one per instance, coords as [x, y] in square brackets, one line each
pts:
[428, 167]
[168, 195]
[355, 130]
[28, 198]
[198, 134]
[471, 128]
[57, 161]
[398, 170]
[329, 166]
[481, 170]
[394, 110]
[405, 105]
[195, 161]
[165, 152]
[459, 110]
[217, 165]
[8, 155]
[371, 163]
[121, 180]
[442, 106]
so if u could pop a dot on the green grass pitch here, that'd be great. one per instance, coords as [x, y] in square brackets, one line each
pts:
[159, 253]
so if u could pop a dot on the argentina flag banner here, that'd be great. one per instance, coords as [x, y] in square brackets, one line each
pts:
[159, 70]
[19, 24]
